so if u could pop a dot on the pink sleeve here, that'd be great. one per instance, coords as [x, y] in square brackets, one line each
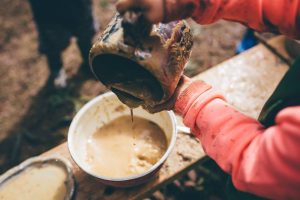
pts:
[280, 16]
[265, 162]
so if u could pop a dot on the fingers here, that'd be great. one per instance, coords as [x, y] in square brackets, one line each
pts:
[164, 106]
[169, 105]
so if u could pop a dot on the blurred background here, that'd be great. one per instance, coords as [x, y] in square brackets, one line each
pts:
[34, 116]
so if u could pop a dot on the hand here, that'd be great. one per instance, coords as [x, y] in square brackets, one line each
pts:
[169, 105]
[158, 10]
[152, 9]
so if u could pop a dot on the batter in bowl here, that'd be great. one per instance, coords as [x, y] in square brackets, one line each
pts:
[124, 148]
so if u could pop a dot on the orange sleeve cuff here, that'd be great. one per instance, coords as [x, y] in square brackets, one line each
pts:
[189, 95]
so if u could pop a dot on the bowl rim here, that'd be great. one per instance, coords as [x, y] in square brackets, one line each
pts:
[75, 158]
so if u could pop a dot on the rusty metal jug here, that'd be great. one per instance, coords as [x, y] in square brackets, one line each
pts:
[141, 68]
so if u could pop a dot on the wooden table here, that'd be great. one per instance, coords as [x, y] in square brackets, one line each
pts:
[247, 80]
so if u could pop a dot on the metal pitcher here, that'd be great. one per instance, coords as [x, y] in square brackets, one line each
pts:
[141, 70]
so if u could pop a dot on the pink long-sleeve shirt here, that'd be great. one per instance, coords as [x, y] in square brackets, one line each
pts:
[262, 161]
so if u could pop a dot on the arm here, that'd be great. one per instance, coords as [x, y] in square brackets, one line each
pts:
[279, 16]
[261, 161]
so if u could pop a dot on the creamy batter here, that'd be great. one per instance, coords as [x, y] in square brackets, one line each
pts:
[124, 148]
[44, 183]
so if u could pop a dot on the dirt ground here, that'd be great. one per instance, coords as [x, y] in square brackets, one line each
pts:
[34, 118]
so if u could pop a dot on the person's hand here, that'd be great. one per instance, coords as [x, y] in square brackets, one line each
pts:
[169, 105]
[158, 10]
[152, 9]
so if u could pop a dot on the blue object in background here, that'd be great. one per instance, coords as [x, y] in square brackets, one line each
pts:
[248, 41]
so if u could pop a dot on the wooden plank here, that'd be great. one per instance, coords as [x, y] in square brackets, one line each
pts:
[247, 80]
